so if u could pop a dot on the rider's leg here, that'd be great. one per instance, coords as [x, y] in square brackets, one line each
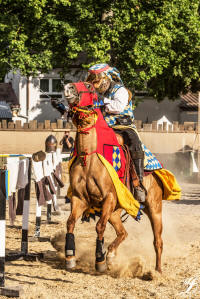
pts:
[137, 154]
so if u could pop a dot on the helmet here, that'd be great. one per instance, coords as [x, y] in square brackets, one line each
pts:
[50, 144]
[101, 75]
[100, 81]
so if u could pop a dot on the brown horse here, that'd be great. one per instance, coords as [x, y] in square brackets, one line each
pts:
[92, 185]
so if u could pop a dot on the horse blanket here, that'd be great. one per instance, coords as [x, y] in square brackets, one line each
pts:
[112, 156]
[108, 146]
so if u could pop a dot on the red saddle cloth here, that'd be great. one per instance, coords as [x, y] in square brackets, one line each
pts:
[108, 146]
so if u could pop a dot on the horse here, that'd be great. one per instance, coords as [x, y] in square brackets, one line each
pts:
[92, 185]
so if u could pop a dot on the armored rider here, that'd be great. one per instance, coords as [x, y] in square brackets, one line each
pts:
[118, 111]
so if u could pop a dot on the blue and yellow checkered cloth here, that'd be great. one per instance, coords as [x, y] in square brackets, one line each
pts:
[116, 159]
[111, 119]
[151, 162]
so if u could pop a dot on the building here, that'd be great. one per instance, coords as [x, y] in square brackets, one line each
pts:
[5, 111]
[34, 93]
[183, 109]
[8, 102]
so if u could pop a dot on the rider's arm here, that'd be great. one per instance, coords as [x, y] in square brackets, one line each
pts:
[119, 101]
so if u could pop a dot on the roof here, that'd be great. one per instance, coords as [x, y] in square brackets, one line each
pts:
[5, 111]
[189, 101]
[7, 93]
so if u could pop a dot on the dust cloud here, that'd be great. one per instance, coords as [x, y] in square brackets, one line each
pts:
[136, 255]
[133, 274]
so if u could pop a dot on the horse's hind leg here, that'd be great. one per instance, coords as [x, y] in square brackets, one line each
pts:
[155, 215]
[78, 206]
[116, 222]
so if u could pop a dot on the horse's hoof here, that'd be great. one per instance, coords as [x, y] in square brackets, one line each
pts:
[159, 270]
[101, 266]
[111, 259]
[70, 262]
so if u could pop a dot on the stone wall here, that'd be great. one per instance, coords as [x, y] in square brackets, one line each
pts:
[18, 139]
[173, 144]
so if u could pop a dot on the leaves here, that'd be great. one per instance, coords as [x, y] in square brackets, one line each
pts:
[155, 44]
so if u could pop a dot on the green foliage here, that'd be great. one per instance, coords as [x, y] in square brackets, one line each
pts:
[155, 44]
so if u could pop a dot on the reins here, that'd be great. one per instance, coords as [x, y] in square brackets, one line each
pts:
[85, 131]
[85, 154]
[83, 114]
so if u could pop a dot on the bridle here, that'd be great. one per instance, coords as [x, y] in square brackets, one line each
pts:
[84, 112]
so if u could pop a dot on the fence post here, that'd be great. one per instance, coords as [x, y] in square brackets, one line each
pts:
[175, 126]
[4, 291]
[47, 124]
[164, 126]
[160, 128]
[4, 124]
[59, 123]
[154, 126]
[25, 220]
[198, 130]
[2, 233]
[169, 128]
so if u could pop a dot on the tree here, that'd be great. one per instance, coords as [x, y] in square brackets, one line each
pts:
[155, 44]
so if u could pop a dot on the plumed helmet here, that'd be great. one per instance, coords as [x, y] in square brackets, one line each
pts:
[50, 144]
[98, 78]
[103, 84]
[101, 75]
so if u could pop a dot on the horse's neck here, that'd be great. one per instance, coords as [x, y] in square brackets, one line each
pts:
[86, 143]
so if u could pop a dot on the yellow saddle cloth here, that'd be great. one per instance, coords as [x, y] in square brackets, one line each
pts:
[125, 197]
[172, 190]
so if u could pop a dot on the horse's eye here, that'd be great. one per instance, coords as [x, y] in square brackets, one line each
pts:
[88, 85]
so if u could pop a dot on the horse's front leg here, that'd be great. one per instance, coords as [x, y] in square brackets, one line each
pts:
[107, 210]
[116, 222]
[78, 206]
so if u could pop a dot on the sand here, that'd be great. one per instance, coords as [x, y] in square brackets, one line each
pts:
[133, 277]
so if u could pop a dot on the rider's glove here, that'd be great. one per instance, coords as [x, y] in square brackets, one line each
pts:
[59, 106]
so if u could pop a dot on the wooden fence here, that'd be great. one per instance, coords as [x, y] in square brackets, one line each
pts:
[47, 125]
[175, 127]
[34, 125]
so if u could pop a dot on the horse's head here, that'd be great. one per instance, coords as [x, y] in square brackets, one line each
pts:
[80, 97]
[71, 94]
[80, 94]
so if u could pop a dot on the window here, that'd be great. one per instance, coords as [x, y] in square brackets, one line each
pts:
[56, 85]
[44, 85]
[50, 87]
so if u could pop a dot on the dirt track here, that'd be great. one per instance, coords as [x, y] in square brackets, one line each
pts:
[135, 276]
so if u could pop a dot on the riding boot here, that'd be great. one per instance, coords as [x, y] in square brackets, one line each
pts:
[139, 192]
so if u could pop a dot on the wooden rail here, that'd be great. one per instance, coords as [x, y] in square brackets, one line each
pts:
[175, 127]
[33, 125]
[62, 125]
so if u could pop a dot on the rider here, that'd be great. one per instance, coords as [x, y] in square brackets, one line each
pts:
[118, 110]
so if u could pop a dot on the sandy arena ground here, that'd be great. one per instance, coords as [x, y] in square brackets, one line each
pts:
[134, 277]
